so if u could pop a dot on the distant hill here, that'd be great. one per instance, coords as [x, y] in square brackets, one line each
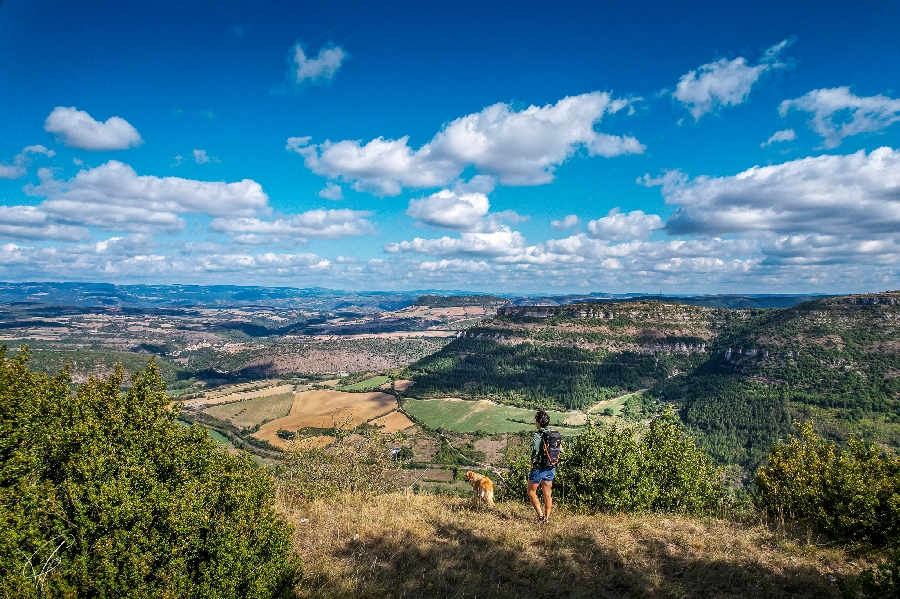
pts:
[459, 301]
[739, 376]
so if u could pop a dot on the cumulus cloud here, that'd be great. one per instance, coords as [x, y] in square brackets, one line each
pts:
[837, 113]
[784, 135]
[319, 224]
[30, 222]
[77, 129]
[617, 226]
[113, 196]
[503, 242]
[22, 161]
[332, 192]
[319, 69]
[450, 210]
[826, 209]
[724, 82]
[568, 222]
[516, 147]
[462, 266]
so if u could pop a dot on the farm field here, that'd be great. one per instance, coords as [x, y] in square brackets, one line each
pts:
[323, 409]
[394, 422]
[250, 412]
[220, 398]
[366, 385]
[615, 404]
[470, 416]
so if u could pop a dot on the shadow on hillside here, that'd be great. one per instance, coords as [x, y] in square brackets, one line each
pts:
[456, 562]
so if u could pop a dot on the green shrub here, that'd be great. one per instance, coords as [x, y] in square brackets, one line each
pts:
[626, 468]
[103, 494]
[851, 495]
[882, 582]
[630, 468]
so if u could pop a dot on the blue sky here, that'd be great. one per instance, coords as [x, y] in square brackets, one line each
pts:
[682, 148]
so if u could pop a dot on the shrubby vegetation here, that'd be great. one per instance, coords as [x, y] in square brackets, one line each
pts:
[102, 494]
[851, 495]
[359, 461]
[629, 468]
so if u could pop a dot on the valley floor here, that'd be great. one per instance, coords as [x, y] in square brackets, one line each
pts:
[431, 546]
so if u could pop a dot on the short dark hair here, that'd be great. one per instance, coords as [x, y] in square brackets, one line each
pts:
[542, 418]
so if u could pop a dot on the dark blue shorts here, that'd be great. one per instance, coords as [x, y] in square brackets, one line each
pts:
[540, 474]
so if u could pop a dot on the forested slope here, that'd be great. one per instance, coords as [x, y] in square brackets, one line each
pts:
[739, 376]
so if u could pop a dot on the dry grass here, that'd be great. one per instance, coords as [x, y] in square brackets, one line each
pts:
[253, 411]
[394, 422]
[424, 546]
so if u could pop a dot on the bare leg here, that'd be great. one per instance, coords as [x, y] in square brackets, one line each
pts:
[532, 495]
[547, 490]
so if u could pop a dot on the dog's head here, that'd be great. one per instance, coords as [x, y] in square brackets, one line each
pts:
[469, 476]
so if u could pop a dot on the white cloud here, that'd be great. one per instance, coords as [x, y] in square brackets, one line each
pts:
[464, 266]
[332, 192]
[724, 82]
[827, 209]
[22, 161]
[568, 222]
[517, 147]
[319, 224]
[784, 135]
[201, 157]
[503, 242]
[77, 129]
[450, 210]
[30, 222]
[314, 70]
[837, 113]
[113, 196]
[617, 226]
[268, 263]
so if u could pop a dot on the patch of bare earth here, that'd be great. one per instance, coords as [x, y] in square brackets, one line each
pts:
[405, 545]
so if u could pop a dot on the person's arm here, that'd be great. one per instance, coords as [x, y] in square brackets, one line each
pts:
[535, 447]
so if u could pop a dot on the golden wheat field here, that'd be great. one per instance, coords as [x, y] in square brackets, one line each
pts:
[324, 409]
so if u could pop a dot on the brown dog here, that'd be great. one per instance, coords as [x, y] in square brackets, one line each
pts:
[482, 486]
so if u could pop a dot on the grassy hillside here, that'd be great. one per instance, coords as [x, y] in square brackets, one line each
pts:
[400, 545]
[740, 377]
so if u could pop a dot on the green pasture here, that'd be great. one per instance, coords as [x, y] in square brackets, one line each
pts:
[470, 416]
[366, 385]
[615, 404]
[250, 412]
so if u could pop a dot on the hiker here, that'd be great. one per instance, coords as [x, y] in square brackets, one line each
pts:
[545, 450]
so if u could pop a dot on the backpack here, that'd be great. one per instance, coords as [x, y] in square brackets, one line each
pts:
[551, 447]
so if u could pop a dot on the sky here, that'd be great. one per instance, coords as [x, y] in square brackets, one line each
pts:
[656, 147]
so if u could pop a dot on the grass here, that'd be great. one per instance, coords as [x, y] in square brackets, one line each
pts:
[615, 404]
[404, 545]
[470, 416]
[366, 385]
[249, 413]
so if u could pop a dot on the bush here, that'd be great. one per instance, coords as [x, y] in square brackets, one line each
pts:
[850, 496]
[354, 463]
[882, 582]
[638, 468]
[103, 494]
[615, 468]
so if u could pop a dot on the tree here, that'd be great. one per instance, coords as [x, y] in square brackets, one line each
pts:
[103, 494]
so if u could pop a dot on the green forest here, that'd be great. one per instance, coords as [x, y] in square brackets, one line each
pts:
[834, 361]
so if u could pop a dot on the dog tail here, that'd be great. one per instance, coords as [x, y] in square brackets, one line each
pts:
[490, 498]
